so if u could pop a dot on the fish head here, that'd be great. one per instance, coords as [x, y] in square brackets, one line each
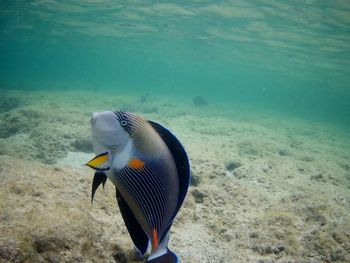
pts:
[108, 131]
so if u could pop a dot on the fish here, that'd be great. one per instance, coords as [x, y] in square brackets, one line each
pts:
[150, 170]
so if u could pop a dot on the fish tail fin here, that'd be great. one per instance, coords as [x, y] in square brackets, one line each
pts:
[165, 256]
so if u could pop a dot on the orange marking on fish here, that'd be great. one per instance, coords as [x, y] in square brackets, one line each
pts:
[155, 239]
[136, 163]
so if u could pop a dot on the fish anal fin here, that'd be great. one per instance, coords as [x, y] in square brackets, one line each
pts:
[138, 236]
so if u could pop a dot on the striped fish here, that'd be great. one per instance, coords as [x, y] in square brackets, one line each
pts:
[150, 171]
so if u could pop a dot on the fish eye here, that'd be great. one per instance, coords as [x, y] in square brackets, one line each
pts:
[123, 122]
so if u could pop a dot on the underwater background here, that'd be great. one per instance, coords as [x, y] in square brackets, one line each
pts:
[288, 56]
[258, 91]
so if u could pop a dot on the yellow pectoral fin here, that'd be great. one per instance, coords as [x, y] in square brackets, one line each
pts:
[100, 162]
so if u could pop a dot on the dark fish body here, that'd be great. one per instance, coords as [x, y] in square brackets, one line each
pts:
[150, 170]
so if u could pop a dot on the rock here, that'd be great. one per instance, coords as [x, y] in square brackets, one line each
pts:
[254, 235]
[198, 196]
[195, 178]
[240, 173]
[8, 103]
[82, 145]
[318, 178]
[321, 244]
[338, 255]
[307, 158]
[267, 261]
[9, 129]
[19, 121]
[49, 243]
[10, 252]
[315, 213]
[228, 174]
[283, 152]
[119, 255]
[248, 148]
[48, 145]
[345, 166]
[265, 249]
[232, 165]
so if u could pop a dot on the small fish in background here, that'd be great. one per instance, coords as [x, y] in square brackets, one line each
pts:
[144, 98]
[150, 171]
[200, 101]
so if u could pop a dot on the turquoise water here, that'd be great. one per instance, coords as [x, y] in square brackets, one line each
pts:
[269, 153]
[286, 56]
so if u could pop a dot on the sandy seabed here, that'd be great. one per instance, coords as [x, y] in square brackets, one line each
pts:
[265, 188]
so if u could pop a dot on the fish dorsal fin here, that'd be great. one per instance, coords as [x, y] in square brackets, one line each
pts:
[136, 232]
[181, 160]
